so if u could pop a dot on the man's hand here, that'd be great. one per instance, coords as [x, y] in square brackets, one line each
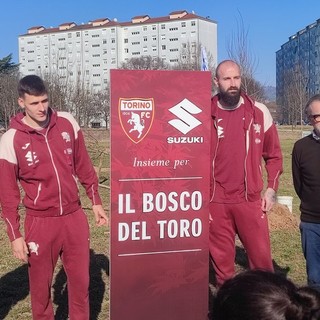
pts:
[20, 249]
[100, 215]
[268, 200]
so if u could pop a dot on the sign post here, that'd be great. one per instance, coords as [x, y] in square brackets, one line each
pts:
[160, 173]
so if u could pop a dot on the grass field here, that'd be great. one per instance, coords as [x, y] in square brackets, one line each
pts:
[14, 295]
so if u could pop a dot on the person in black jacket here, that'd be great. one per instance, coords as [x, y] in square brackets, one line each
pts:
[306, 179]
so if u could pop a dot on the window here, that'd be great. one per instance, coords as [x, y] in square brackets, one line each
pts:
[183, 24]
[193, 23]
[95, 125]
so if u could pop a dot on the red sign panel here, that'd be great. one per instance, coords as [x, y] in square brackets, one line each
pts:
[160, 168]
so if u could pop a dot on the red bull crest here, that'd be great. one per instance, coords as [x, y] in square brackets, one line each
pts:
[136, 117]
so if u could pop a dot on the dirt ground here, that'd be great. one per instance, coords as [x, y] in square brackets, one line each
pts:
[281, 218]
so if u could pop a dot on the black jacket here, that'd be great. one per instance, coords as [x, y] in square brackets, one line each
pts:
[306, 177]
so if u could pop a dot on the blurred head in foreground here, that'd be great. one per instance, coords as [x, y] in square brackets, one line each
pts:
[262, 295]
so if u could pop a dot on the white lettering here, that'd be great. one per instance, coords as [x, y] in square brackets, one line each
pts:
[172, 202]
[180, 140]
[125, 206]
[137, 231]
[182, 228]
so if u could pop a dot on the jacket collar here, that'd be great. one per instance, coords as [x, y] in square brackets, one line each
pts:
[248, 104]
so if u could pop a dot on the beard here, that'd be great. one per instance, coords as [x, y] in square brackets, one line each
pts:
[230, 99]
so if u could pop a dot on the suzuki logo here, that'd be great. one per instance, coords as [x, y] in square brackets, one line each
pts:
[184, 111]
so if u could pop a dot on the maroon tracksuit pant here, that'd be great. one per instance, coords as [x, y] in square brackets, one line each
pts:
[48, 238]
[251, 224]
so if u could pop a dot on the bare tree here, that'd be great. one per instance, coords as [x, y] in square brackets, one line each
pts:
[295, 95]
[102, 105]
[239, 51]
[8, 97]
[190, 58]
[144, 63]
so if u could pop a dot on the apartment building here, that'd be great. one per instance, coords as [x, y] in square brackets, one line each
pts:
[298, 66]
[87, 52]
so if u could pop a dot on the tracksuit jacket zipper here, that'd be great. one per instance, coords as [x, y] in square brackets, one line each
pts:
[55, 170]
[245, 160]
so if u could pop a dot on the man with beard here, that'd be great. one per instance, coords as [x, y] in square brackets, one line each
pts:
[243, 134]
[306, 179]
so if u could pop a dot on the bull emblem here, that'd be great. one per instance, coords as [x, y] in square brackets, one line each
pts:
[137, 123]
[136, 117]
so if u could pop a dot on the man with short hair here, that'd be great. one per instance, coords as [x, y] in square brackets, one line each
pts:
[45, 151]
[306, 179]
[243, 134]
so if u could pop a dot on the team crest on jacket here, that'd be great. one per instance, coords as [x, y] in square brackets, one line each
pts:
[66, 136]
[257, 128]
[136, 117]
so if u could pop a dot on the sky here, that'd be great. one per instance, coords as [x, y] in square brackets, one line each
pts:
[268, 24]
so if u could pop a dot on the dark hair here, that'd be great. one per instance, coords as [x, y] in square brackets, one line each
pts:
[32, 85]
[262, 295]
[314, 98]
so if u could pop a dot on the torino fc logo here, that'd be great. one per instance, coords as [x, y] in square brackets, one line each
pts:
[136, 117]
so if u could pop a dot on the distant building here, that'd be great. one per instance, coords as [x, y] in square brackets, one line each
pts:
[298, 63]
[88, 51]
